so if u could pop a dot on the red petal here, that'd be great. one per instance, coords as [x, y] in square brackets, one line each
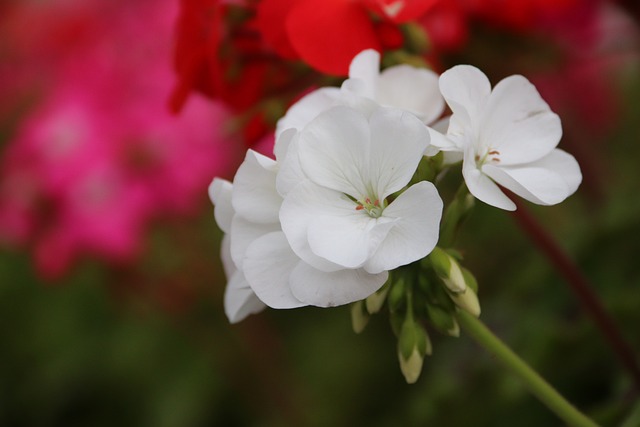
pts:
[198, 35]
[327, 36]
[389, 35]
[270, 21]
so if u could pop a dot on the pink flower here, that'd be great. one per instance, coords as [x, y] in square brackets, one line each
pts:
[100, 156]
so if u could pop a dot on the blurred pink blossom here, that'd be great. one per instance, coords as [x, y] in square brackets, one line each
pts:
[99, 156]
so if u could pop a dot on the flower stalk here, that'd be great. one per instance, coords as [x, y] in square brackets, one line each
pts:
[533, 381]
[582, 290]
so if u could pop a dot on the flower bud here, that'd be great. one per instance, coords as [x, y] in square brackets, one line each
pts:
[359, 316]
[375, 301]
[468, 301]
[412, 366]
[456, 213]
[448, 269]
[470, 280]
[396, 294]
[443, 320]
[413, 345]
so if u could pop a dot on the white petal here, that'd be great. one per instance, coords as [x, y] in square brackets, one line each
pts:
[412, 89]
[466, 90]
[239, 299]
[518, 123]
[296, 215]
[398, 141]
[283, 142]
[351, 96]
[441, 141]
[254, 189]
[441, 125]
[415, 233]
[332, 227]
[366, 67]
[290, 173]
[334, 150]
[314, 287]
[345, 236]
[220, 194]
[547, 181]
[228, 265]
[355, 87]
[243, 233]
[267, 268]
[481, 186]
[438, 138]
[307, 108]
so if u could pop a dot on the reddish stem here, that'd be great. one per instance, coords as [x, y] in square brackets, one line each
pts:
[580, 286]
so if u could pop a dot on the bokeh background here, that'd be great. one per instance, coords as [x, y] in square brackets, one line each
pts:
[110, 279]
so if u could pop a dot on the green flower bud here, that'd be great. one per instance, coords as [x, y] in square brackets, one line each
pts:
[468, 301]
[396, 319]
[456, 213]
[359, 316]
[448, 269]
[470, 280]
[412, 366]
[413, 345]
[443, 320]
[396, 294]
[375, 301]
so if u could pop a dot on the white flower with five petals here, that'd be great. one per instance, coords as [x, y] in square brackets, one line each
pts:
[344, 213]
[507, 136]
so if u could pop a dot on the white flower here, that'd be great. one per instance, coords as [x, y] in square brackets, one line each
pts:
[260, 264]
[402, 86]
[507, 136]
[341, 216]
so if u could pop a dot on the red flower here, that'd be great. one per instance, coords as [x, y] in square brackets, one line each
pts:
[328, 36]
[220, 53]
[198, 38]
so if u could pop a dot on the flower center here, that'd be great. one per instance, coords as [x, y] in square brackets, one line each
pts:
[373, 209]
[492, 155]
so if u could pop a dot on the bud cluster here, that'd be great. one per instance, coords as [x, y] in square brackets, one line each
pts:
[420, 296]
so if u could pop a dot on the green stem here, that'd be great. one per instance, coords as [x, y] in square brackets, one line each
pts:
[534, 382]
[453, 217]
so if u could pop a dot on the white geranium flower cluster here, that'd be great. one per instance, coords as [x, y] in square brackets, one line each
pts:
[325, 222]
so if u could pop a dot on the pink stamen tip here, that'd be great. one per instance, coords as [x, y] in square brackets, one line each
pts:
[494, 152]
[359, 207]
[376, 203]
[368, 201]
